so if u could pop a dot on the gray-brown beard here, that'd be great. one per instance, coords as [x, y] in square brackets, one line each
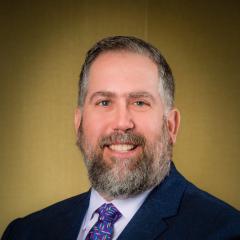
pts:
[125, 178]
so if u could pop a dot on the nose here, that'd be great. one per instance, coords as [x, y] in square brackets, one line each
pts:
[123, 120]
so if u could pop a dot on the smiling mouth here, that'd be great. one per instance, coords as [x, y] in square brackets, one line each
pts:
[122, 147]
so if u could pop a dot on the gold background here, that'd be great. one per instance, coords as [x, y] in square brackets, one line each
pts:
[42, 47]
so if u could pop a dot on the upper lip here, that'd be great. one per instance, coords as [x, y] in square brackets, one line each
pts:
[116, 139]
[120, 143]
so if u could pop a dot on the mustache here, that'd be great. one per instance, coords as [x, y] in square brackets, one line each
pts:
[121, 138]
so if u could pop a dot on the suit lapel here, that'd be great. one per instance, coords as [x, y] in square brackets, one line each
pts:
[68, 226]
[162, 202]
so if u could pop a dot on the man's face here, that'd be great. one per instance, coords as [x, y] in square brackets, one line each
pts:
[123, 133]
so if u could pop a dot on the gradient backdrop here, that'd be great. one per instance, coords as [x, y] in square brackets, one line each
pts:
[42, 48]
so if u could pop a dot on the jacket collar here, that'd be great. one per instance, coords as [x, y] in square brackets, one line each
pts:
[162, 202]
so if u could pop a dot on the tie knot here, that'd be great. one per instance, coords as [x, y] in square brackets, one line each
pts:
[108, 213]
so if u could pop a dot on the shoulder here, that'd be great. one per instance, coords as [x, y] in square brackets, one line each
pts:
[203, 215]
[58, 208]
[193, 200]
[205, 204]
[192, 213]
[52, 217]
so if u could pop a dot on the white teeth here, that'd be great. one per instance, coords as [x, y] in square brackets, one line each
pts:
[121, 147]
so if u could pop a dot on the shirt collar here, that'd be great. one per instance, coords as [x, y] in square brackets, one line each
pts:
[128, 207]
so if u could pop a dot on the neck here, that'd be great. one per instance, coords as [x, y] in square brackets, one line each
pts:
[106, 197]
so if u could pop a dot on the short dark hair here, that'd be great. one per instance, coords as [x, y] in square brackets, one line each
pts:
[134, 45]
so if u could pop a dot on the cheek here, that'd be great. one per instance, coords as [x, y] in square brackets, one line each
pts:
[150, 127]
[93, 127]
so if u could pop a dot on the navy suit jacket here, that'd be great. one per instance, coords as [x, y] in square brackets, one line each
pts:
[175, 209]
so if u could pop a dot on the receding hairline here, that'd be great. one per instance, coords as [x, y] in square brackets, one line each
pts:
[122, 51]
[143, 53]
[130, 44]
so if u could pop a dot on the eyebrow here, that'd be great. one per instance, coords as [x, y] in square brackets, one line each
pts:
[102, 94]
[138, 94]
[141, 94]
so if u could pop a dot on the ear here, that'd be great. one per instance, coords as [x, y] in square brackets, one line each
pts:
[77, 119]
[173, 120]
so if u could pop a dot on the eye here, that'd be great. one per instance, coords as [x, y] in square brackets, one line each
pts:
[140, 103]
[103, 103]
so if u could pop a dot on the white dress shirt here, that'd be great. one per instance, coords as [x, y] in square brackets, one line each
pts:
[127, 207]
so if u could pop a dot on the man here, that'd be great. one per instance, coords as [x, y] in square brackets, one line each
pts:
[126, 125]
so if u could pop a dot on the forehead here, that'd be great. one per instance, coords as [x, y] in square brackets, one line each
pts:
[123, 72]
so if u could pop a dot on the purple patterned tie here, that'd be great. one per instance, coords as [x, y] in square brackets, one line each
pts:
[103, 228]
